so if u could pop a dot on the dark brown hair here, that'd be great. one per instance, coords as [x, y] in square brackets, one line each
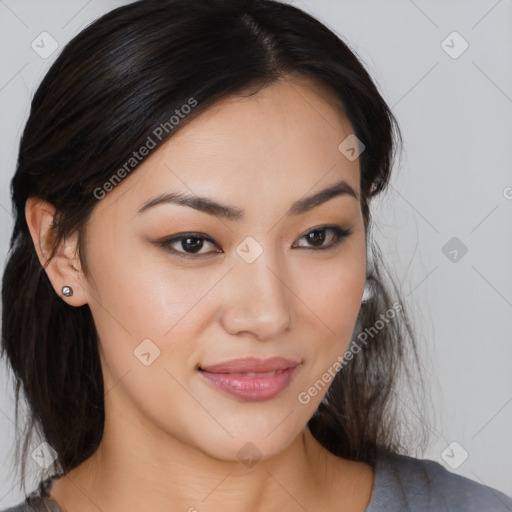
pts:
[117, 80]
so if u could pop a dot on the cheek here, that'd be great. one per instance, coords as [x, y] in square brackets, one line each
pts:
[143, 312]
[147, 324]
[333, 288]
[141, 291]
[331, 294]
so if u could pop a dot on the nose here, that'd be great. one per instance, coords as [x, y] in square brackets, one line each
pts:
[259, 299]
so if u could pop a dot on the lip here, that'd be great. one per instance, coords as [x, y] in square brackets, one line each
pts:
[229, 377]
[251, 364]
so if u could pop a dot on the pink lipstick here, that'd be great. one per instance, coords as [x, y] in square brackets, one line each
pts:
[252, 379]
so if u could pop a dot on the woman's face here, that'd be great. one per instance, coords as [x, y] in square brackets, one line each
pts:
[253, 284]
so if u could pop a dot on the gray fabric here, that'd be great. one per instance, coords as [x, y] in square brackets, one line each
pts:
[401, 484]
[36, 504]
[404, 483]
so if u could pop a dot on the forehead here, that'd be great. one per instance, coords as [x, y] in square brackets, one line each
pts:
[279, 142]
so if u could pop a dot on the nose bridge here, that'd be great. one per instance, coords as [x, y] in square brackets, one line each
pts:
[259, 295]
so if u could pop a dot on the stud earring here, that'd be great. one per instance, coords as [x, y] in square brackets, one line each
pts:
[67, 291]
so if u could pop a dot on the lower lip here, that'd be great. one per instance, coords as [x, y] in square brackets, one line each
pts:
[253, 389]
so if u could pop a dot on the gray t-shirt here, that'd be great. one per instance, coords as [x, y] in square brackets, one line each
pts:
[401, 483]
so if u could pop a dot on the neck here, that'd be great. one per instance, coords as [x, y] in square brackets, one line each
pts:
[140, 467]
[178, 478]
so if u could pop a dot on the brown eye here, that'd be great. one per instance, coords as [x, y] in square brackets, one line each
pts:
[194, 244]
[190, 244]
[317, 236]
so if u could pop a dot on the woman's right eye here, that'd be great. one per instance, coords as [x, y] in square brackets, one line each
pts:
[192, 242]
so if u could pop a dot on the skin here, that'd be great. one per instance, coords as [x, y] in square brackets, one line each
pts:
[171, 439]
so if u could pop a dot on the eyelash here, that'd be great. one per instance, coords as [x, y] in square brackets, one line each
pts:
[339, 234]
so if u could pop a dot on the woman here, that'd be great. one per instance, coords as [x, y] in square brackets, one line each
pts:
[188, 304]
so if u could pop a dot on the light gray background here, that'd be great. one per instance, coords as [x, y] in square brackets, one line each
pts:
[455, 180]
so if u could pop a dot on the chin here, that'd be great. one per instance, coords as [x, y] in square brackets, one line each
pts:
[249, 448]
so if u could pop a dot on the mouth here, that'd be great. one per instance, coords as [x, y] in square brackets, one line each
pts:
[252, 374]
[251, 379]
[251, 364]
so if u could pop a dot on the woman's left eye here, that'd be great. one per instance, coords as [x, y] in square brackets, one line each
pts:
[194, 242]
[338, 233]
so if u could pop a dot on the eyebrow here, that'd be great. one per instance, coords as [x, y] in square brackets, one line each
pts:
[211, 207]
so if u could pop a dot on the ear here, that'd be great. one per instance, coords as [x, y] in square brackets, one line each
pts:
[64, 268]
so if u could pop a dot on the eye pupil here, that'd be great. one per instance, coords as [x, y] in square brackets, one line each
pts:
[197, 246]
[313, 238]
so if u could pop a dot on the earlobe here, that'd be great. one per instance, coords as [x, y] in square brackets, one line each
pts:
[63, 269]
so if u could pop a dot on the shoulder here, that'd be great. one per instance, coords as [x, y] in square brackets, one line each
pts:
[35, 504]
[38, 500]
[406, 483]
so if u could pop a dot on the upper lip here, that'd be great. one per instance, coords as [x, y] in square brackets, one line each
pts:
[251, 364]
